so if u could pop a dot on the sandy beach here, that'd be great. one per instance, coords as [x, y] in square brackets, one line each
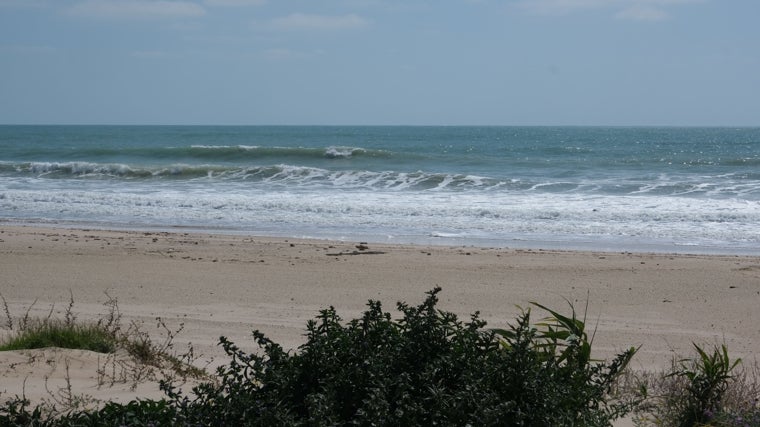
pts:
[229, 285]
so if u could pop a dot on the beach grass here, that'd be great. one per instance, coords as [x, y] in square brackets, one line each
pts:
[53, 333]
[707, 389]
[27, 332]
[143, 357]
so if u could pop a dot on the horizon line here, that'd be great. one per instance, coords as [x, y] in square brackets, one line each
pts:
[389, 125]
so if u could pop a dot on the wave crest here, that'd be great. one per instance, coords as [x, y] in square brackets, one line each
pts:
[294, 177]
[256, 151]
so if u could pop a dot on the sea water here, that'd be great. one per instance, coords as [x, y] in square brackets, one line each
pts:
[603, 188]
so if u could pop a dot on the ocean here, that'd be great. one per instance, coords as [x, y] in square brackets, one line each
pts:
[642, 189]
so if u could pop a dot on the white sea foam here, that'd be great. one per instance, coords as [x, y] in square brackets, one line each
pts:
[225, 147]
[493, 216]
[342, 152]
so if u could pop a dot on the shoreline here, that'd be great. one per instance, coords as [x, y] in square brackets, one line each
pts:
[221, 284]
[516, 242]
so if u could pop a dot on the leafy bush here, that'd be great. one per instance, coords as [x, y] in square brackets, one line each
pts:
[137, 413]
[426, 368]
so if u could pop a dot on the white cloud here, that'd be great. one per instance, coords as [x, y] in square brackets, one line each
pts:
[304, 22]
[642, 10]
[234, 2]
[279, 54]
[149, 54]
[551, 7]
[22, 3]
[27, 49]
[137, 9]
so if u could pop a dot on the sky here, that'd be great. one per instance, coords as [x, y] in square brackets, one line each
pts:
[381, 62]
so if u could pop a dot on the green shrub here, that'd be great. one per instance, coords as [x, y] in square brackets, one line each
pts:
[428, 368]
[16, 412]
[137, 413]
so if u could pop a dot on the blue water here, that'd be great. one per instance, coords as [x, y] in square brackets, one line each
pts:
[640, 189]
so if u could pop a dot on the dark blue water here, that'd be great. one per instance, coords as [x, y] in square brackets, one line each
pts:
[682, 189]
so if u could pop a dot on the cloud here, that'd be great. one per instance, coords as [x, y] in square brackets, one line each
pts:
[149, 54]
[234, 2]
[27, 49]
[137, 9]
[289, 54]
[304, 22]
[22, 3]
[557, 7]
[640, 10]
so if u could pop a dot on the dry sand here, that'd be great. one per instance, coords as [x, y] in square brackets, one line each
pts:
[229, 285]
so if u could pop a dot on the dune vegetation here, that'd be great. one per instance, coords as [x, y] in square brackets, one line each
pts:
[426, 367]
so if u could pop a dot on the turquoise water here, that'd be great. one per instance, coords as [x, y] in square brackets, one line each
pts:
[663, 189]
